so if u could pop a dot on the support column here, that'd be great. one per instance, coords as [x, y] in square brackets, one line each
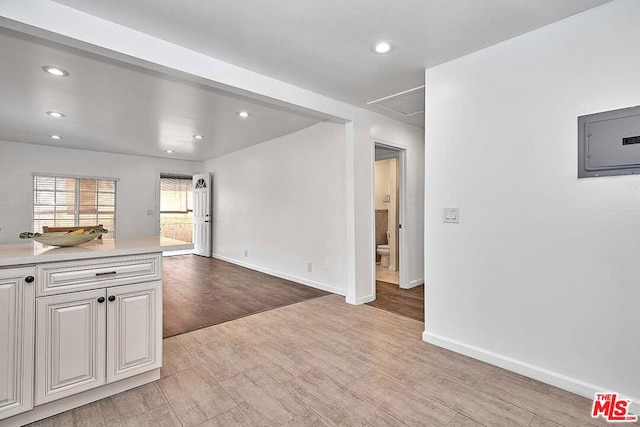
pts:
[360, 213]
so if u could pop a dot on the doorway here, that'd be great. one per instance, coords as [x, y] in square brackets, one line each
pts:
[389, 214]
[391, 264]
[176, 207]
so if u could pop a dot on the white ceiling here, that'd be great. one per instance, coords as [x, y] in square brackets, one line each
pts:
[116, 107]
[324, 45]
[321, 45]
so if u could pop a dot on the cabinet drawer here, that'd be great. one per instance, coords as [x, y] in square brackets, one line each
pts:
[62, 277]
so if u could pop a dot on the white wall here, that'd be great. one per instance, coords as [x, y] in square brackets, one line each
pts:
[284, 201]
[542, 273]
[137, 190]
[411, 139]
[382, 186]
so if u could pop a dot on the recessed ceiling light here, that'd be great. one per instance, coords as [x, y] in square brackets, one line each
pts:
[56, 137]
[56, 114]
[55, 71]
[198, 136]
[243, 114]
[169, 151]
[384, 46]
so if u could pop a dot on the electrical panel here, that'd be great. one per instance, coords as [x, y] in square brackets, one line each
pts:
[609, 143]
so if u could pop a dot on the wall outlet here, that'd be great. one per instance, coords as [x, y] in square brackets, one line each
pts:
[309, 267]
[149, 212]
[246, 253]
[451, 215]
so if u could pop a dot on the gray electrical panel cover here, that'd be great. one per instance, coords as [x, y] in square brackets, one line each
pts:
[609, 143]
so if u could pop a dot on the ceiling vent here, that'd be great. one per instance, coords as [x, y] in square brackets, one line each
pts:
[407, 105]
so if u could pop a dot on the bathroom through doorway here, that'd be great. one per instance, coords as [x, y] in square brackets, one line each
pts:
[389, 212]
[392, 289]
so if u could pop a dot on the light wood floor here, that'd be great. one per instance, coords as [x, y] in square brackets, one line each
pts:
[323, 362]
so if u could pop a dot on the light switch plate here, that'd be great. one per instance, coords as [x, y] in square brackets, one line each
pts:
[451, 215]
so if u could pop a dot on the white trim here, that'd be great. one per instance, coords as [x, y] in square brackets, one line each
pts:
[372, 230]
[361, 300]
[349, 129]
[307, 282]
[414, 283]
[64, 175]
[395, 95]
[547, 376]
[403, 244]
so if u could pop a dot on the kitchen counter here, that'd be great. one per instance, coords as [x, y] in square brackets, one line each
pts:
[81, 323]
[34, 253]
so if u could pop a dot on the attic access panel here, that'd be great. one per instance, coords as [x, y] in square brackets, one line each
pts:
[609, 143]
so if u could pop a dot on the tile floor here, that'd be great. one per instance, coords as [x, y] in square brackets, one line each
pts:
[323, 362]
[383, 274]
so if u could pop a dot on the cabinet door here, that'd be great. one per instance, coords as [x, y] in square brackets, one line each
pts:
[134, 330]
[17, 301]
[70, 344]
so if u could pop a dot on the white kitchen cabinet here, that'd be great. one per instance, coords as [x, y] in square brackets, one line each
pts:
[88, 339]
[134, 330]
[17, 300]
[70, 344]
[78, 324]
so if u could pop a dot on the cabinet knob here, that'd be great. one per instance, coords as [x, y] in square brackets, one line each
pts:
[112, 298]
[101, 300]
[29, 279]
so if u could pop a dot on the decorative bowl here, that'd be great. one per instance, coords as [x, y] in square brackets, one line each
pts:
[63, 238]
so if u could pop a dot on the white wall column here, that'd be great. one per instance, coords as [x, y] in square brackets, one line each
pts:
[360, 211]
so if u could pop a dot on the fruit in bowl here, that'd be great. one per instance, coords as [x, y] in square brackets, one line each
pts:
[65, 238]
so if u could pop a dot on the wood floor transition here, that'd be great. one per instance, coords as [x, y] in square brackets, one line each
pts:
[200, 292]
[405, 302]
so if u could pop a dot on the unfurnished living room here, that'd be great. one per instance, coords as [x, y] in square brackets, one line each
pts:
[319, 213]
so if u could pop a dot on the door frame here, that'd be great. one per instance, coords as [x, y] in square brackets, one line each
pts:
[403, 259]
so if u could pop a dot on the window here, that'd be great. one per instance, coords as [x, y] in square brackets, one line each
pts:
[176, 207]
[60, 201]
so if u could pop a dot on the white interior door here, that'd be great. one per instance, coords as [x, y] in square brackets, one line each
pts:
[202, 214]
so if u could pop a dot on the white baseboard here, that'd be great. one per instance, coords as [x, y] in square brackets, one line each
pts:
[564, 382]
[307, 282]
[414, 283]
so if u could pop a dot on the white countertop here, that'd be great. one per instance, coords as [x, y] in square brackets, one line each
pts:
[34, 253]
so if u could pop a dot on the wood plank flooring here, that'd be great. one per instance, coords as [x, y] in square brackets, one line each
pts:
[200, 292]
[405, 302]
[323, 362]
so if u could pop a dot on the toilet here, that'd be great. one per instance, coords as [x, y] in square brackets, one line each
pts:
[384, 251]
